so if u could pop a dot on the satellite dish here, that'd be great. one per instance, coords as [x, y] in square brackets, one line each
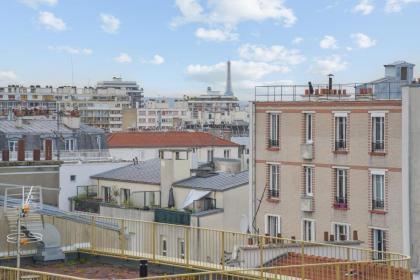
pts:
[244, 224]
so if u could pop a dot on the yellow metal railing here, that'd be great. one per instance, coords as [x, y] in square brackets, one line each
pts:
[11, 273]
[225, 251]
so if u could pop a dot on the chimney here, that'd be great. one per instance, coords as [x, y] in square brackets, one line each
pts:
[228, 91]
[71, 120]
[174, 166]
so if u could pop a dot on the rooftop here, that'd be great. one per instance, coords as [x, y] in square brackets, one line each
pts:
[147, 172]
[170, 139]
[39, 126]
[215, 181]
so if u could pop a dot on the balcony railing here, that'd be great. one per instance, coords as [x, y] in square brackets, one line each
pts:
[340, 145]
[337, 92]
[273, 193]
[273, 143]
[378, 204]
[378, 146]
[99, 155]
[340, 202]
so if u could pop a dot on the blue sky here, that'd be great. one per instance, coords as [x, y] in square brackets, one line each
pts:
[176, 47]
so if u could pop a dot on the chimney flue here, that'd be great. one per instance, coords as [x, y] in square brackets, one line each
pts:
[228, 91]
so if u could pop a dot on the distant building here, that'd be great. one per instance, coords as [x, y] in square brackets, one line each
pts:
[145, 145]
[132, 89]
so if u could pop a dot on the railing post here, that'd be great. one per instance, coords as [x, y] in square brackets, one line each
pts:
[187, 245]
[302, 252]
[92, 234]
[389, 267]
[122, 238]
[337, 272]
[154, 241]
[222, 249]
[261, 240]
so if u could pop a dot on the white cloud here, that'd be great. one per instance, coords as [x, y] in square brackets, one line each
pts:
[328, 42]
[364, 7]
[245, 74]
[71, 50]
[232, 12]
[8, 76]
[157, 59]
[274, 54]
[218, 35]
[363, 41]
[110, 23]
[50, 21]
[297, 40]
[123, 58]
[328, 65]
[36, 3]
[393, 6]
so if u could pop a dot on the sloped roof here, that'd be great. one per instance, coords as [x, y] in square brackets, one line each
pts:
[217, 182]
[399, 62]
[42, 126]
[170, 139]
[147, 172]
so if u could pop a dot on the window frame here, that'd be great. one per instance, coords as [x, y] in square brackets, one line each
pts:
[309, 128]
[274, 180]
[274, 133]
[308, 177]
[306, 221]
[163, 245]
[107, 190]
[340, 132]
[267, 224]
[378, 254]
[347, 228]
[378, 143]
[378, 204]
[181, 248]
[341, 188]
[67, 144]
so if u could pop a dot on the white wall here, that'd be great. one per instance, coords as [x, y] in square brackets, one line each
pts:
[83, 171]
[145, 154]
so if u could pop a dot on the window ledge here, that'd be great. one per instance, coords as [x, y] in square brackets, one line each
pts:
[378, 153]
[378, 211]
[273, 199]
[273, 149]
[338, 206]
[340, 152]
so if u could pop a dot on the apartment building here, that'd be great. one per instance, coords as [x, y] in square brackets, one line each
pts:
[158, 114]
[331, 163]
[98, 107]
[132, 89]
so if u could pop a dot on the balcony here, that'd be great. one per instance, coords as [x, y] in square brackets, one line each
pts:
[204, 204]
[378, 146]
[306, 151]
[168, 216]
[378, 204]
[306, 204]
[340, 203]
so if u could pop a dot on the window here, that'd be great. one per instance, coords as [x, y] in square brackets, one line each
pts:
[210, 154]
[308, 230]
[107, 194]
[378, 239]
[99, 141]
[274, 180]
[378, 129]
[340, 133]
[308, 180]
[226, 153]
[125, 196]
[308, 128]
[163, 245]
[341, 188]
[378, 190]
[274, 130]
[72, 178]
[272, 225]
[404, 74]
[13, 145]
[70, 144]
[341, 231]
[181, 248]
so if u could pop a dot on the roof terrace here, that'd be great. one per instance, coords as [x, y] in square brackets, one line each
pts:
[377, 90]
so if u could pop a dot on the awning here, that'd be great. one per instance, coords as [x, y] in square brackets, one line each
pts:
[192, 196]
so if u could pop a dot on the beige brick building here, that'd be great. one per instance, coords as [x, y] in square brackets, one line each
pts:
[334, 169]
